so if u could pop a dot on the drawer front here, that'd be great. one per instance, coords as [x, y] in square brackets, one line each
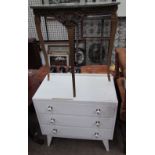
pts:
[76, 121]
[76, 108]
[74, 132]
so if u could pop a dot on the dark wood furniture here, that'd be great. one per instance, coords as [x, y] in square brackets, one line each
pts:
[120, 62]
[34, 60]
[35, 78]
[70, 15]
[120, 79]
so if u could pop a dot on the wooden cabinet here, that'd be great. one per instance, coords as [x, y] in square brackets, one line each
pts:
[34, 59]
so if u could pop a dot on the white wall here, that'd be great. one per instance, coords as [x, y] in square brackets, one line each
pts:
[122, 8]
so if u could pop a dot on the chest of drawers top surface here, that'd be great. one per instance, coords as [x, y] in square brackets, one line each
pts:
[89, 88]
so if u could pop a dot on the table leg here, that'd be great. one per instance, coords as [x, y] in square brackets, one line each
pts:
[49, 139]
[38, 28]
[71, 37]
[106, 144]
[111, 44]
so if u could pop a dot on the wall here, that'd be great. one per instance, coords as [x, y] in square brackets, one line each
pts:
[122, 8]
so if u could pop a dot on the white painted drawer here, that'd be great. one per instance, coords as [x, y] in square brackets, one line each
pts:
[76, 121]
[75, 132]
[76, 108]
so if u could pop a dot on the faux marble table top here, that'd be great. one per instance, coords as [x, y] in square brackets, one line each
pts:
[74, 5]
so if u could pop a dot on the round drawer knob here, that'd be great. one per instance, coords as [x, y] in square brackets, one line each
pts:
[54, 131]
[98, 111]
[96, 134]
[50, 108]
[52, 120]
[98, 123]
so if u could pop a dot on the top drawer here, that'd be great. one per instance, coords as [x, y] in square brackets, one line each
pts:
[76, 108]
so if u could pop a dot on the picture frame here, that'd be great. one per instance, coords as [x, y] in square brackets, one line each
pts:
[59, 46]
[97, 51]
[80, 53]
[58, 60]
[96, 27]
[91, 27]
[58, 53]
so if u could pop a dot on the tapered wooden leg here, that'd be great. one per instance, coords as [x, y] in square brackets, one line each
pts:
[106, 144]
[71, 37]
[49, 139]
[41, 40]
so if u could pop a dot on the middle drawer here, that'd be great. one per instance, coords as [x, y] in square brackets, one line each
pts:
[76, 121]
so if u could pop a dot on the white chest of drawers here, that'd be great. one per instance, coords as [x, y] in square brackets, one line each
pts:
[90, 115]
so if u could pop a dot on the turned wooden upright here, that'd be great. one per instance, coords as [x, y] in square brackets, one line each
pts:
[70, 15]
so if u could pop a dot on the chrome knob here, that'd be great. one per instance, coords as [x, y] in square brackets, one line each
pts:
[50, 108]
[52, 120]
[96, 134]
[97, 123]
[54, 131]
[98, 111]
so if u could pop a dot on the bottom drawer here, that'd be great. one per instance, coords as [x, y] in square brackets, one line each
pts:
[75, 132]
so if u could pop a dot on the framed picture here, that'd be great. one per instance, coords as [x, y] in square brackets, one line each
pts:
[91, 28]
[96, 27]
[58, 53]
[80, 53]
[58, 47]
[97, 51]
[59, 60]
